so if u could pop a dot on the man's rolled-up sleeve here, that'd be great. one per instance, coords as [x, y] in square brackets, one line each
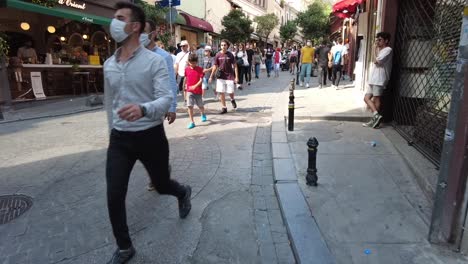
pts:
[108, 98]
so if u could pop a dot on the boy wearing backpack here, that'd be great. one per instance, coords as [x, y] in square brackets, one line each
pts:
[338, 51]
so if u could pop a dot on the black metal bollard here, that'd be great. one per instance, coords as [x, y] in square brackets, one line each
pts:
[291, 107]
[311, 177]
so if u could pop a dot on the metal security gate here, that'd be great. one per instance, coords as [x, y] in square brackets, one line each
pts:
[426, 47]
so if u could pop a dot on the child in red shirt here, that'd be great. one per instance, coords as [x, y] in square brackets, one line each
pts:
[193, 86]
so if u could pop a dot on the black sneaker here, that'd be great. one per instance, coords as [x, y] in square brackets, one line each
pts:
[122, 256]
[234, 105]
[224, 111]
[184, 203]
[377, 120]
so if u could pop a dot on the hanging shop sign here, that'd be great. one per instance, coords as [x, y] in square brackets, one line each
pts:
[73, 4]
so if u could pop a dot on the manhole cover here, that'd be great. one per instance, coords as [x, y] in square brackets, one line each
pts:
[12, 206]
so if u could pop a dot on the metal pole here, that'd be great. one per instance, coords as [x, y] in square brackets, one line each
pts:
[291, 107]
[445, 204]
[312, 146]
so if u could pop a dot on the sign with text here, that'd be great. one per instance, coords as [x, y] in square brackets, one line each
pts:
[36, 83]
[73, 4]
[165, 3]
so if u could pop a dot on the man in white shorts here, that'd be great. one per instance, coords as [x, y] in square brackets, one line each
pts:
[378, 79]
[227, 76]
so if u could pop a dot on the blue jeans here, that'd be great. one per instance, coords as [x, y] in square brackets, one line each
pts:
[257, 70]
[306, 70]
[268, 64]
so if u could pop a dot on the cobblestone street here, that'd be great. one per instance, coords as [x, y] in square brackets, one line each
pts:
[60, 163]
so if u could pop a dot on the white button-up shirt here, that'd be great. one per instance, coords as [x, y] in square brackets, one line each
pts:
[143, 79]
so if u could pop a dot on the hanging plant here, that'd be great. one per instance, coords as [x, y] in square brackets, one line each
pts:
[4, 48]
[46, 3]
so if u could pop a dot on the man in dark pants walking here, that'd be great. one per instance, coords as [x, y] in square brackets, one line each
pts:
[322, 58]
[137, 97]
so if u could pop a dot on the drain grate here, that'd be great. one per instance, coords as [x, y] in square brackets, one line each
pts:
[12, 206]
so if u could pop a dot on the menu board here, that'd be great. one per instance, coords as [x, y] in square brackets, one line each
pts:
[36, 82]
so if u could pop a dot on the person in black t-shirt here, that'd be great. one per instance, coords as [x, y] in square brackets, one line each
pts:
[321, 55]
[269, 58]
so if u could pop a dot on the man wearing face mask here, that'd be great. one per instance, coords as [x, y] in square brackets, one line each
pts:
[147, 39]
[138, 94]
[307, 57]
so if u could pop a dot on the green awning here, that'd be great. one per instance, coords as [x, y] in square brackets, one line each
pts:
[180, 20]
[55, 11]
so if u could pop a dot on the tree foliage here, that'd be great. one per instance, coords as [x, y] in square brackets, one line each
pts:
[237, 27]
[315, 20]
[152, 12]
[288, 31]
[266, 24]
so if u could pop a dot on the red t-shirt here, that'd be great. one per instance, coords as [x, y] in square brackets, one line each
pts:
[192, 77]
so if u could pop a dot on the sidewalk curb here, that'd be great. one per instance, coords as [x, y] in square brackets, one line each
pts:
[51, 115]
[306, 239]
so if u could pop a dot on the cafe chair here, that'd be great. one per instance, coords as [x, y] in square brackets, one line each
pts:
[92, 81]
[80, 80]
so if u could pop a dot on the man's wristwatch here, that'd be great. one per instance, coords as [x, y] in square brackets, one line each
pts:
[143, 110]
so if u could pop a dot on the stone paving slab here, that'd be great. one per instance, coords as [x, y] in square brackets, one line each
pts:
[284, 170]
[367, 204]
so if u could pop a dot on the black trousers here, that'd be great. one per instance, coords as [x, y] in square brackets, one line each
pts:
[249, 72]
[323, 74]
[181, 83]
[337, 71]
[243, 72]
[125, 148]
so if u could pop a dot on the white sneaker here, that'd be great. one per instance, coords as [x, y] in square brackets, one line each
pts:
[307, 85]
[302, 84]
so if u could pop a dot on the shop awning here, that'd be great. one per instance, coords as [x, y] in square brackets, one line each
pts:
[180, 20]
[346, 8]
[196, 22]
[58, 12]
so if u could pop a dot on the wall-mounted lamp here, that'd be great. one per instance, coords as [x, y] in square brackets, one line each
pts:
[25, 26]
[51, 29]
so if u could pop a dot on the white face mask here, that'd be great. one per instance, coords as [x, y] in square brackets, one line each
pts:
[117, 30]
[144, 40]
[309, 44]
